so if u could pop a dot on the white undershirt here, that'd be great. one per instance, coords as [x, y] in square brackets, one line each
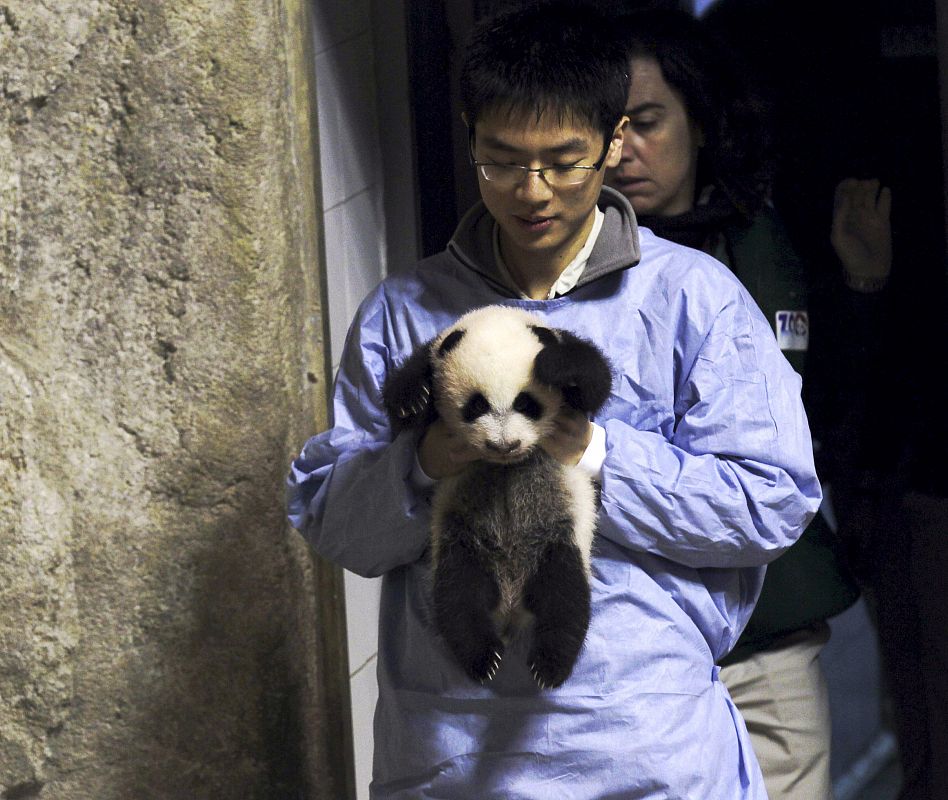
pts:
[570, 276]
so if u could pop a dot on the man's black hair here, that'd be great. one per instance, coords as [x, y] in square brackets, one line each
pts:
[559, 58]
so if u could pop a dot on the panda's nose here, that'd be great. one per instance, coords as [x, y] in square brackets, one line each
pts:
[504, 448]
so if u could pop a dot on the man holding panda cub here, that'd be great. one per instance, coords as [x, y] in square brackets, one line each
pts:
[702, 453]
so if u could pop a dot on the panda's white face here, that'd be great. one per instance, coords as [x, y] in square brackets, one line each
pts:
[486, 392]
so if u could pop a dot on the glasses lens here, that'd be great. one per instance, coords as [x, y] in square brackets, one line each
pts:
[566, 176]
[501, 173]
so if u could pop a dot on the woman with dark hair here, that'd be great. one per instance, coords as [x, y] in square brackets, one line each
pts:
[696, 169]
[726, 144]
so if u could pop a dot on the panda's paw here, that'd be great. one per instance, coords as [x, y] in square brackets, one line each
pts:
[415, 406]
[550, 669]
[483, 666]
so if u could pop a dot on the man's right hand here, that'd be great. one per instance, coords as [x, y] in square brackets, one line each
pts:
[442, 454]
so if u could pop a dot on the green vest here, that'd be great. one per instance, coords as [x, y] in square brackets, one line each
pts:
[808, 583]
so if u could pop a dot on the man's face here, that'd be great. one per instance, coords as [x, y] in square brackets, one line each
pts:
[536, 219]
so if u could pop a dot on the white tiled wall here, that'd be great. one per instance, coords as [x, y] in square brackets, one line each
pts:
[348, 131]
[354, 259]
[366, 223]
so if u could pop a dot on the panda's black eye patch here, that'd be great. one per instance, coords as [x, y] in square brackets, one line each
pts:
[476, 406]
[528, 405]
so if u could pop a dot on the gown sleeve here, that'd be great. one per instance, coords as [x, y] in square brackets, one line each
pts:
[349, 492]
[731, 483]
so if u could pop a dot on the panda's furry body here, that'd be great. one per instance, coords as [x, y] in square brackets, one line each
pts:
[511, 534]
[514, 541]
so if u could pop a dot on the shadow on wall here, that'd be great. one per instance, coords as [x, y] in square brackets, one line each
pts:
[220, 686]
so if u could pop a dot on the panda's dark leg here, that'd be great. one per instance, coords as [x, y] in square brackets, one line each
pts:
[464, 594]
[558, 597]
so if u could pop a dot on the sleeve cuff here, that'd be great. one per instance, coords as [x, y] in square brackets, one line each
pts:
[595, 455]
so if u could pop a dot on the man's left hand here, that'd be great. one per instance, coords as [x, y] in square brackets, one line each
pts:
[571, 435]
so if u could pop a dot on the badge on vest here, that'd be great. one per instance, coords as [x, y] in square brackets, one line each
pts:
[793, 330]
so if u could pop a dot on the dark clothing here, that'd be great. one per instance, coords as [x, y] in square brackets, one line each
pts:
[810, 582]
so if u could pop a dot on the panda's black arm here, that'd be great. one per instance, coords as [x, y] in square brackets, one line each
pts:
[408, 392]
[576, 367]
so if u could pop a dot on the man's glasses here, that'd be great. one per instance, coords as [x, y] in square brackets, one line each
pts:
[557, 177]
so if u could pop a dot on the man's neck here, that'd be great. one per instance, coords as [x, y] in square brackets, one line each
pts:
[533, 276]
[535, 272]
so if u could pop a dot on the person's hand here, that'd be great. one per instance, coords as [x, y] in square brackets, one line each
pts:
[862, 234]
[570, 437]
[442, 454]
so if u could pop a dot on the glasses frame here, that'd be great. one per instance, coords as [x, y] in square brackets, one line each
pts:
[540, 171]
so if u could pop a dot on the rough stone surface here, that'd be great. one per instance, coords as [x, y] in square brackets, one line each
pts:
[159, 359]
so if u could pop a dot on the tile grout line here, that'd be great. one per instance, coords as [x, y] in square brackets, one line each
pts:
[345, 200]
[351, 37]
[363, 665]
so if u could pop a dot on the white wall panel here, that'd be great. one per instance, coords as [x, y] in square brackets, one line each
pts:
[348, 132]
[365, 692]
[369, 226]
[335, 21]
[362, 610]
[354, 260]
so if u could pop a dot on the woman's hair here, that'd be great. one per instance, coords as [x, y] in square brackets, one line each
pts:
[561, 58]
[736, 156]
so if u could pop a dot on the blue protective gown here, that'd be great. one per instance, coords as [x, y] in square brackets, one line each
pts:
[708, 476]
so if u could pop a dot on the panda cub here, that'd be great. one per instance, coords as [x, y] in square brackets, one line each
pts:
[510, 535]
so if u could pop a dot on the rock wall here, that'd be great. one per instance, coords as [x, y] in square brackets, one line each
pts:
[162, 633]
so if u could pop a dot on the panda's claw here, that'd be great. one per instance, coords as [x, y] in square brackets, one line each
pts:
[488, 671]
[494, 666]
[536, 677]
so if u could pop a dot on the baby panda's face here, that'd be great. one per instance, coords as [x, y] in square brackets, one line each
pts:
[485, 389]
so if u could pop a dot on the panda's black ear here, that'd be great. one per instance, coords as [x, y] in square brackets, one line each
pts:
[450, 341]
[576, 367]
[408, 392]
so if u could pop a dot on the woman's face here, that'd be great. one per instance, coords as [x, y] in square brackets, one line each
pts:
[660, 150]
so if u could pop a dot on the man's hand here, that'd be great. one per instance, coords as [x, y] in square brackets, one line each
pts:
[571, 436]
[441, 454]
[861, 234]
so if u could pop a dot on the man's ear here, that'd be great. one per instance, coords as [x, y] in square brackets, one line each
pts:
[574, 366]
[408, 393]
[615, 143]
